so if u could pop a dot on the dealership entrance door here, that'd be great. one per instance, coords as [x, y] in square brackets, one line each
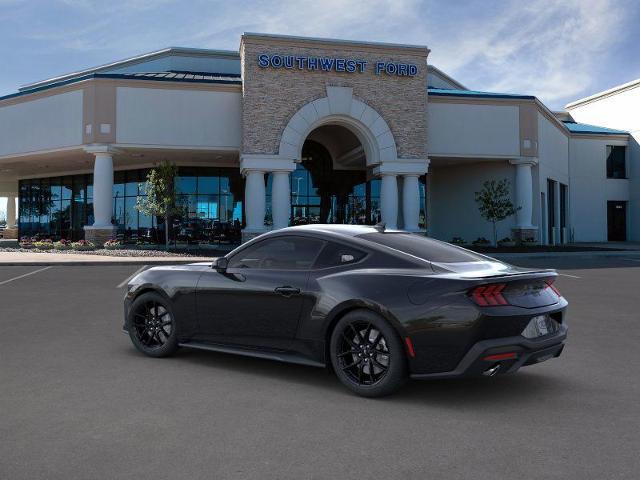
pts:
[331, 184]
[617, 221]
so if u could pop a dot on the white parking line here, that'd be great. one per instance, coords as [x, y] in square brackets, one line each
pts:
[567, 275]
[126, 280]
[25, 275]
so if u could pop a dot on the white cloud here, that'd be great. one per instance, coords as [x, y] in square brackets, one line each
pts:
[544, 47]
[547, 48]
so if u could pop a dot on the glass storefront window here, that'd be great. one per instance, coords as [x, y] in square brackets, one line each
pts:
[186, 184]
[208, 185]
[60, 207]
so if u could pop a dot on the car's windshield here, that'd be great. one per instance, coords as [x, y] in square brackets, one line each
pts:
[423, 247]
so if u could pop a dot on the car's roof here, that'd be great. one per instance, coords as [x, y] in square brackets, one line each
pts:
[345, 230]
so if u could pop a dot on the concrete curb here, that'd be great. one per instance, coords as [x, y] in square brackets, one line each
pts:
[142, 261]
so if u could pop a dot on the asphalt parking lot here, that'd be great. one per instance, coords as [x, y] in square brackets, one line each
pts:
[78, 402]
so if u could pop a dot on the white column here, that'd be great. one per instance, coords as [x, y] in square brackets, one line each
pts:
[11, 212]
[389, 200]
[411, 202]
[103, 190]
[255, 200]
[524, 193]
[280, 200]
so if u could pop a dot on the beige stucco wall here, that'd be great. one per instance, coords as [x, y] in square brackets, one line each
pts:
[45, 123]
[590, 189]
[453, 209]
[272, 96]
[461, 129]
[178, 117]
[619, 110]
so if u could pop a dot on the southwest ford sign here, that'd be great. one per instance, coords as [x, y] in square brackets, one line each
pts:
[333, 64]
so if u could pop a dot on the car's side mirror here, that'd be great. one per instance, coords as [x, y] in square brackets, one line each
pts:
[220, 264]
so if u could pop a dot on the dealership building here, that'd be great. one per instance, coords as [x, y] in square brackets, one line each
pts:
[292, 130]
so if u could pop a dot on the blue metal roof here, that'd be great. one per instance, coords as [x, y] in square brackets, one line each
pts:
[188, 77]
[575, 127]
[444, 92]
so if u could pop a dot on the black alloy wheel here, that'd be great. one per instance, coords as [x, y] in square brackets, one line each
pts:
[367, 354]
[152, 326]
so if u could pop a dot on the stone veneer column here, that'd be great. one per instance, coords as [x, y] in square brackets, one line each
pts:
[102, 228]
[280, 199]
[524, 198]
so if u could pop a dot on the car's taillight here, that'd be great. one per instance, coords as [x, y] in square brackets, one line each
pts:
[489, 295]
[550, 285]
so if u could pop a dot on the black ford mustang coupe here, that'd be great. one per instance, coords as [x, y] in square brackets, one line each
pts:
[375, 306]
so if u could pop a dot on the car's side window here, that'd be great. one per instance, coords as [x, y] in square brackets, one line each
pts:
[334, 254]
[281, 253]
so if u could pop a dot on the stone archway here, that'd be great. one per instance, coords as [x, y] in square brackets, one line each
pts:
[339, 107]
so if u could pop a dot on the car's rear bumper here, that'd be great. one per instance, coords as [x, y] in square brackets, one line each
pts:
[527, 352]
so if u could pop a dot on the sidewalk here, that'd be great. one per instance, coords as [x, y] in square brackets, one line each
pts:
[37, 259]
[590, 254]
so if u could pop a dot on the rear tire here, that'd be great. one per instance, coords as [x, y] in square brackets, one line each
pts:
[367, 354]
[152, 326]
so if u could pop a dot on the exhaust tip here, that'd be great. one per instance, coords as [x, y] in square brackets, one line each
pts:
[491, 371]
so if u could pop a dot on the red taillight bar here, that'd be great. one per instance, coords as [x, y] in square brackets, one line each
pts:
[550, 284]
[500, 356]
[489, 295]
[410, 349]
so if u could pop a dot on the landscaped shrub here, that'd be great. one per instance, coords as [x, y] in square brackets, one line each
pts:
[26, 242]
[481, 241]
[506, 242]
[43, 244]
[113, 244]
[458, 241]
[83, 245]
[62, 245]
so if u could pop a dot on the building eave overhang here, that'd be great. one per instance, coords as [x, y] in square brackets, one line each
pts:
[118, 76]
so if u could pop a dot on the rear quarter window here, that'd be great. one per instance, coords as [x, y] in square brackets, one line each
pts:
[334, 254]
[423, 247]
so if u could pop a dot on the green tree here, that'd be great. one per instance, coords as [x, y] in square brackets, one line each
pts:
[160, 199]
[494, 203]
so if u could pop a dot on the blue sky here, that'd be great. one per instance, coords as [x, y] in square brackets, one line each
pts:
[556, 50]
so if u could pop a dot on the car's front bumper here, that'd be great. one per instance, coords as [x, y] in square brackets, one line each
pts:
[527, 352]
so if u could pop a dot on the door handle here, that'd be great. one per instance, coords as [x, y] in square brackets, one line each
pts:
[287, 291]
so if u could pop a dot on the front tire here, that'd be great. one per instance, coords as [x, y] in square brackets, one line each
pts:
[152, 325]
[367, 354]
